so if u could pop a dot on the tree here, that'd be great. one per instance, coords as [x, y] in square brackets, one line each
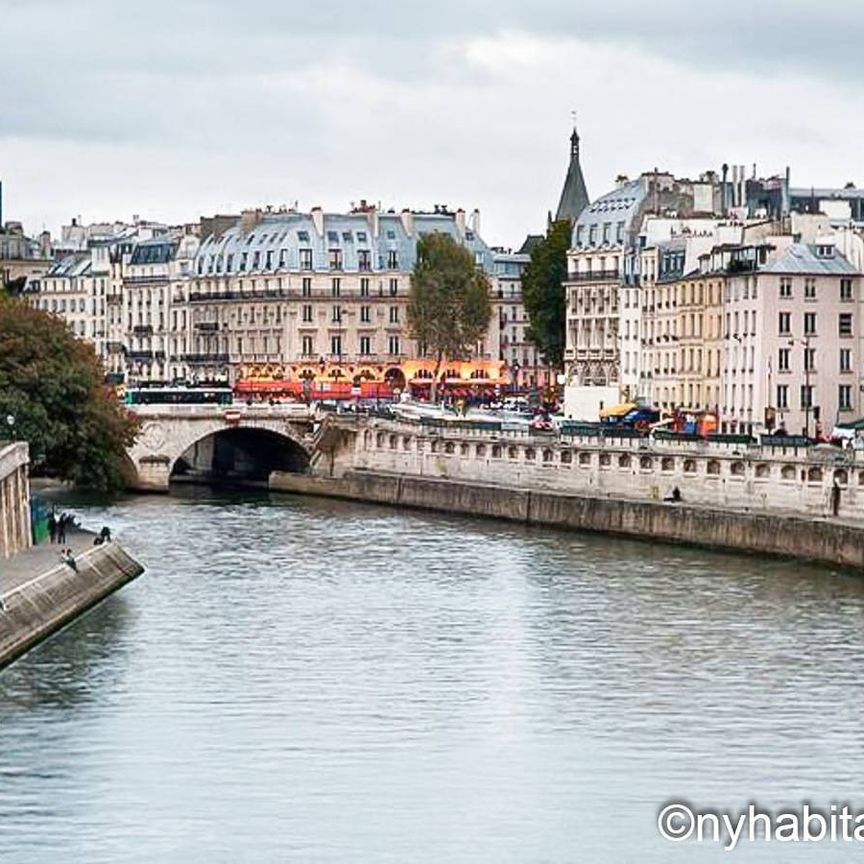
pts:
[448, 303]
[52, 395]
[543, 292]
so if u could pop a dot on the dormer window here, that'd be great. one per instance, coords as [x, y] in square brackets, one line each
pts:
[825, 251]
[303, 236]
[332, 236]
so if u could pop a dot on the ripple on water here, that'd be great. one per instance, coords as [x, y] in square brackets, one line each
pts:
[317, 681]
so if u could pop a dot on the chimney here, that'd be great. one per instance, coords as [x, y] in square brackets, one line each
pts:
[317, 215]
[372, 217]
[475, 221]
[460, 221]
[407, 222]
[249, 219]
[724, 202]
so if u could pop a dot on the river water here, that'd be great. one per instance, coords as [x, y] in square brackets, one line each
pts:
[314, 681]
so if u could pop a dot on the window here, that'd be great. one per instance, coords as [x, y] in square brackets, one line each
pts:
[844, 397]
[806, 396]
[364, 260]
[809, 323]
[336, 345]
[305, 259]
[307, 314]
[364, 286]
[393, 260]
[365, 345]
[365, 314]
[303, 236]
[307, 347]
[607, 229]
[845, 289]
[845, 359]
[394, 314]
[785, 287]
[335, 286]
[335, 259]
[592, 236]
[783, 397]
[361, 237]
[336, 316]
[783, 360]
[332, 236]
[845, 323]
[809, 288]
[393, 344]
[306, 287]
[619, 233]
[809, 359]
[394, 287]
[785, 325]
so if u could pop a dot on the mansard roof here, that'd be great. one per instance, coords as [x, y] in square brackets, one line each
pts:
[807, 259]
[621, 205]
[274, 243]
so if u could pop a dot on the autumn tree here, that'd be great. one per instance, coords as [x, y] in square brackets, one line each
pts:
[543, 292]
[448, 304]
[52, 395]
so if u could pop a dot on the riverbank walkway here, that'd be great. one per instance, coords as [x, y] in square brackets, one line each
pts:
[37, 560]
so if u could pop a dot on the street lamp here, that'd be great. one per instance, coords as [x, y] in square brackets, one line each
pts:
[809, 401]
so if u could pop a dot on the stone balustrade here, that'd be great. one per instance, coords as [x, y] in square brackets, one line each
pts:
[775, 479]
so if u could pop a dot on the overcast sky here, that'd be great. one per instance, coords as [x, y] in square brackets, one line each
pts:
[176, 108]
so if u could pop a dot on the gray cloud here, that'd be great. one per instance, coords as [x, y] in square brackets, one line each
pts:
[182, 105]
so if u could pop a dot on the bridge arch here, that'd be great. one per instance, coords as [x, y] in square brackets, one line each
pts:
[239, 454]
[212, 447]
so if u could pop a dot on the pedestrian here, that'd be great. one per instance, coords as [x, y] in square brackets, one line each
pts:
[61, 528]
[835, 498]
[69, 559]
[52, 525]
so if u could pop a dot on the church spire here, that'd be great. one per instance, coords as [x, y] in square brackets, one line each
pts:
[574, 195]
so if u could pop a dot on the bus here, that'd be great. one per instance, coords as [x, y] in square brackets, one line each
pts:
[179, 396]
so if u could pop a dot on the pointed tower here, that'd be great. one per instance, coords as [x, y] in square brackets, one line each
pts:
[574, 195]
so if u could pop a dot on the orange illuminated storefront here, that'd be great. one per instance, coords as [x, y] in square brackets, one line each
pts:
[368, 380]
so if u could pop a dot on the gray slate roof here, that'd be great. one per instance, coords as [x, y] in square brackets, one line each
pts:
[803, 258]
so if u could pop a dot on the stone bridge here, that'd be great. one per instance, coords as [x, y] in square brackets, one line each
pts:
[218, 441]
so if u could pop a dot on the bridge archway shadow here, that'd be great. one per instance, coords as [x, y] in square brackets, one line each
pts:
[240, 456]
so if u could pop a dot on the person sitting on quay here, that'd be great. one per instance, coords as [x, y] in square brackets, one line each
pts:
[674, 497]
[68, 559]
[104, 536]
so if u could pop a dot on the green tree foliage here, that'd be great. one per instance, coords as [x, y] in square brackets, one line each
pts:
[52, 385]
[543, 292]
[448, 305]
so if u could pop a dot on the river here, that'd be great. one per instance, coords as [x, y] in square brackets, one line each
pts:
[301, 680]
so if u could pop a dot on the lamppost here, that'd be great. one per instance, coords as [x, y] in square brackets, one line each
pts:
[808, 402]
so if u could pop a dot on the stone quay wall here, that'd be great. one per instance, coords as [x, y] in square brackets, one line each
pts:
[39, 607]
[15, 533]
[776, 480]
[776, 500]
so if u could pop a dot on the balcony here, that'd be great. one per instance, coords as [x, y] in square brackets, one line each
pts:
[115, 347]
[140, 356]
[143, 330]
[217, 296]
[596, 276]
[207, 326]
[205, 358]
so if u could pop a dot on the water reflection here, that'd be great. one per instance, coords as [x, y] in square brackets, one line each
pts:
[320, 681]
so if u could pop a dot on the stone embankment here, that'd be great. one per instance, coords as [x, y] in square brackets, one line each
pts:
[774, 500]
[42, 595]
